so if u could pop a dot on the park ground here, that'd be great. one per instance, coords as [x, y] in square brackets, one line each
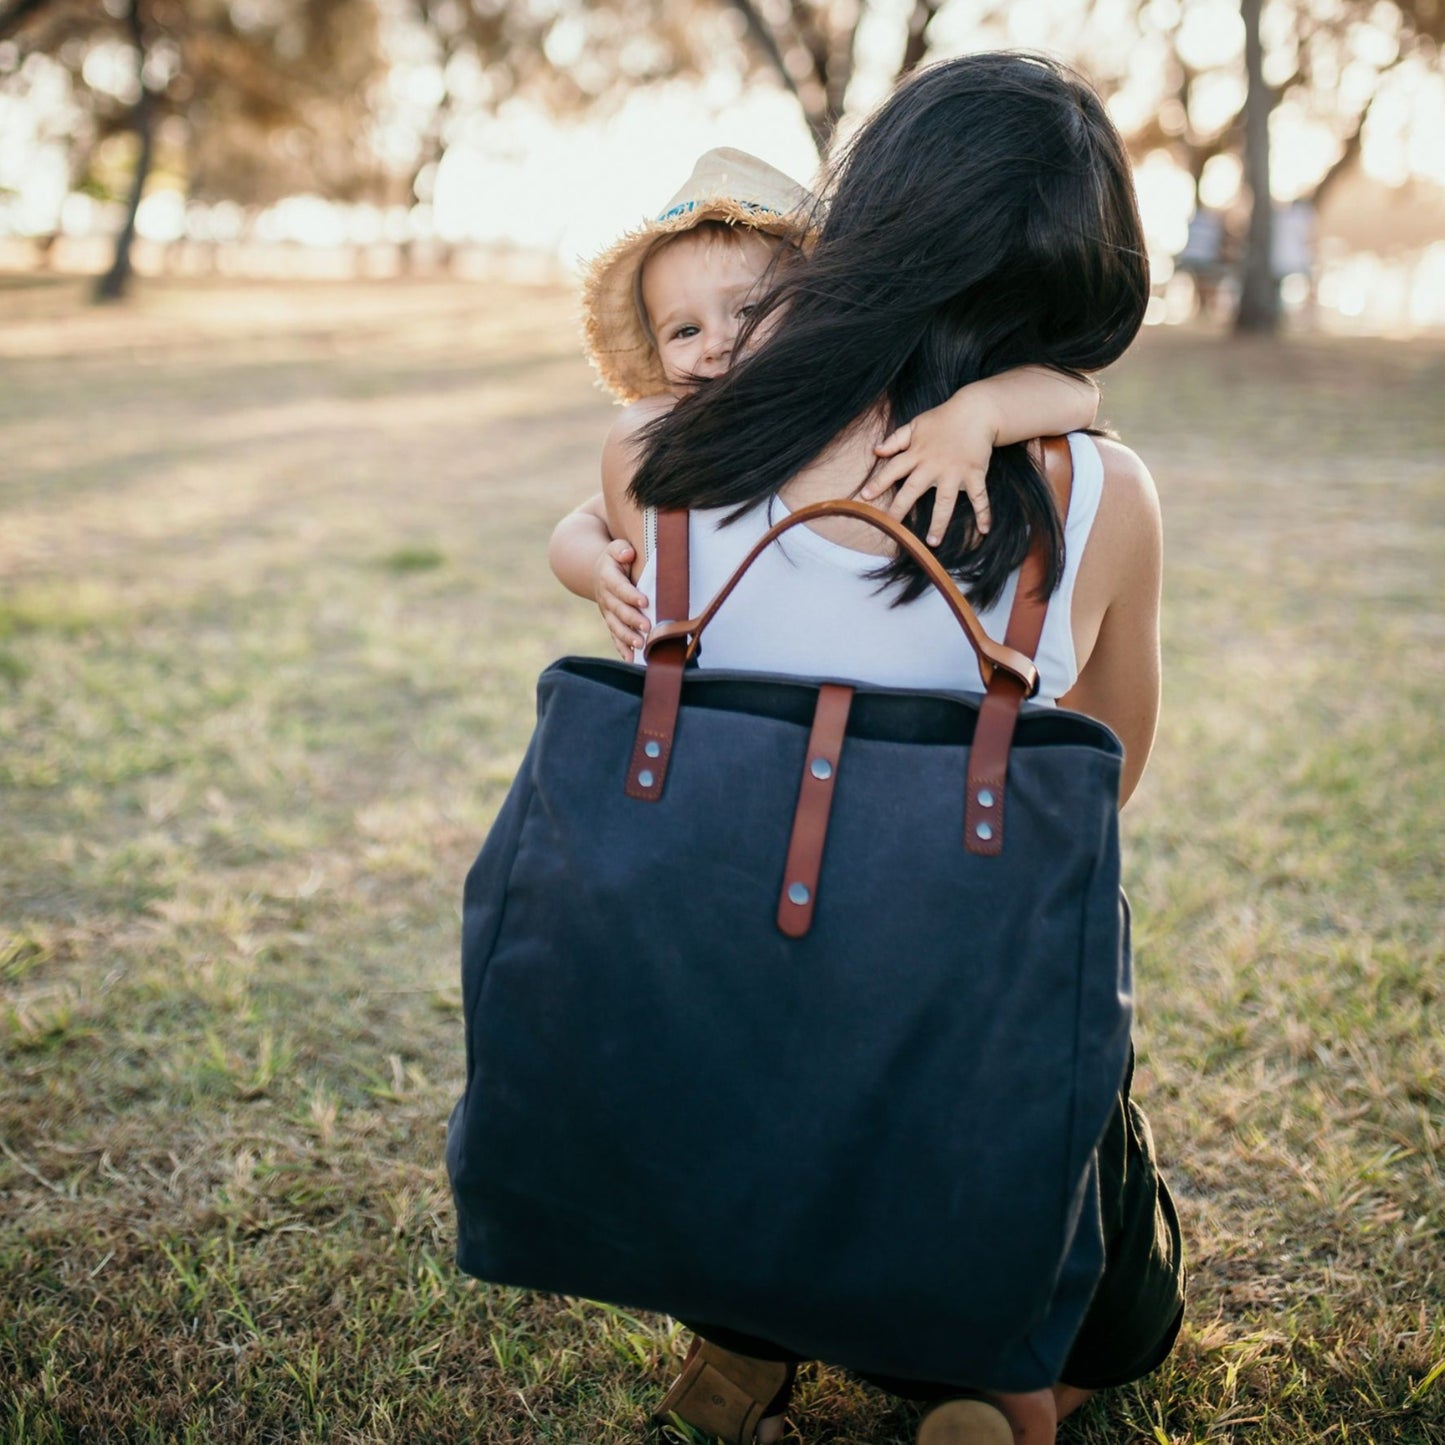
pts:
[272, 599]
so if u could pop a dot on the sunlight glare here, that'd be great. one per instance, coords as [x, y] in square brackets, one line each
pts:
[1166, 197]
[1220, 180]
[1210, 34]
[603, 176]
[162, 216]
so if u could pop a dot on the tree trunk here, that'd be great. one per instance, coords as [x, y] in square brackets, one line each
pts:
[114, 284]
[1258, 312]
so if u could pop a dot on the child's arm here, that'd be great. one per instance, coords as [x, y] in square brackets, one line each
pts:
[949, 447]
[587, 560]
[596, 550]
[577, 541]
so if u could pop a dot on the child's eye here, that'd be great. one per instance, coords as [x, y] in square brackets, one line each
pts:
[684, 333]
[745, 311]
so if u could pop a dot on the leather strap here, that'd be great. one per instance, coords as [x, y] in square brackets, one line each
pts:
[1007, 668]
[992, 656]
[672, 565]
[998, 714]
[662, 685]
[815, 801]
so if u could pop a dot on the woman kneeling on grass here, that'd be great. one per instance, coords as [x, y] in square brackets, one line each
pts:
[983, 219]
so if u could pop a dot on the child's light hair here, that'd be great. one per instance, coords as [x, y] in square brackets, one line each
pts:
[728, 192]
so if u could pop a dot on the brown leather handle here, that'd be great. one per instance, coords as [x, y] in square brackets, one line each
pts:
[990, 654]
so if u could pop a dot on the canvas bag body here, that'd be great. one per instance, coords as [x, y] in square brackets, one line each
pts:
[872, 1145]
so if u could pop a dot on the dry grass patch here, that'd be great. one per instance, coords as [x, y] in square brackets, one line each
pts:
[274, 602]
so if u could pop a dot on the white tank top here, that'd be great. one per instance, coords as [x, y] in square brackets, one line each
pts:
[813, 608]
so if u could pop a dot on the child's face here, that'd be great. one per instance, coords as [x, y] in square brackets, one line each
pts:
[697, 291]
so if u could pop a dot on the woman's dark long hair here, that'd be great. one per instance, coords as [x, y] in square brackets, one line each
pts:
[984, 218]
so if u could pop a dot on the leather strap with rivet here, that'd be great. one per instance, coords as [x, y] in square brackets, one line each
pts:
[672, 643]
[662, 684]
[1004, 696]
[1007, 668]
[815, 802]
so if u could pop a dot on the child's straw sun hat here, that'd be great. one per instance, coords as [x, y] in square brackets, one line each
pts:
[725, 185]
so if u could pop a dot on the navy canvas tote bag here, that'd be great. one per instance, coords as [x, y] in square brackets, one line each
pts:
[799, 1007]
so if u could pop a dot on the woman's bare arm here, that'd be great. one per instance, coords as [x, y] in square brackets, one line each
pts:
[1116, 612]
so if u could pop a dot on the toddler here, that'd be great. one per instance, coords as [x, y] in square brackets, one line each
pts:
[662, 310]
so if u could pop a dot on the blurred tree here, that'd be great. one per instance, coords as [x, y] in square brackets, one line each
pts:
[579, 54]
[252, 100]
[812, 47]
[1325, 60]
[589, 55]
[1259, 308]
[114, 283]
[245, 100]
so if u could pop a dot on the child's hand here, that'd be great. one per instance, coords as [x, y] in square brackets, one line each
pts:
[622, 605]
[947, 448]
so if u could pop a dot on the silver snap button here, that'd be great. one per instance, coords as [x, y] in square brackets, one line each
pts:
[985, 798]
[644, 778]
[984, 831]
[821, 769]
[652, 749]
[798, 893]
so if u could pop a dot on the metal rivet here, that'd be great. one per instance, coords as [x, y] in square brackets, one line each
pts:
[652, 749]
[985, 798]
[821, 769]
[984, 831]
[644, 778]
[798, 893]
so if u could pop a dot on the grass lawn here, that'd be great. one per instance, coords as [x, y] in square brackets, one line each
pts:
[272, 600]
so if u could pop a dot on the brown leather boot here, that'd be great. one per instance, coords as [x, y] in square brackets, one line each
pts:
[965, 1422]
[725, 1394]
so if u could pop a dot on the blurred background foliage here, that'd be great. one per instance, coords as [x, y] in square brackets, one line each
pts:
[248, 102]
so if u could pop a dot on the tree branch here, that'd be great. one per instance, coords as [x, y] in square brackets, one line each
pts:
[16, 14]
[916, 46]
[1346, 157]
[761, 34]
[765, 38]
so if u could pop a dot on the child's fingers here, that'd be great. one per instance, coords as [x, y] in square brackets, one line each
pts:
[895, 441]
[624, 594]
[627, 618]
[975, 486]
[888, 476]
[943, 504]
[614, 584]
[906, 497]
[624, 622]
[626, 639]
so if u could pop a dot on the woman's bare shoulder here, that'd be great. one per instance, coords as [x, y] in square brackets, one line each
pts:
[1127, 482]
[1128, 521]
[1124, 555]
